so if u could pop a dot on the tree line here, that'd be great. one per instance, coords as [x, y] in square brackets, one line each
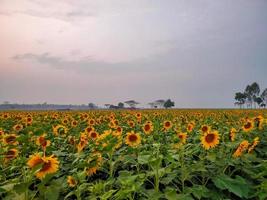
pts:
[132, 104]
[251, 97]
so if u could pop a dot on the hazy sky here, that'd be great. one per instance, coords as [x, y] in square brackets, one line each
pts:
[198, 53]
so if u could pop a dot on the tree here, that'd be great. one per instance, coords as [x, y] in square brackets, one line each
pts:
[121, 105]
[152, 105]
[259, 101]
[92, 106]
[160, 103]
[168, 104]
[248, 93]
[113, 107]
[240, 98]
[264, 97]
[107, 105]
[255, 91]
[131, 103]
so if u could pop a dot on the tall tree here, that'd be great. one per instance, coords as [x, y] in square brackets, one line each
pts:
[240, 98]
[255, 92]
[264, 97]
[259, 101]
[248, 93]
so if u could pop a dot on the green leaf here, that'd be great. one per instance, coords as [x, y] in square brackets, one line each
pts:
[143, 159]
[200, 191]
[238, 186]
[21, 187]
[170, 194]
[107, 195]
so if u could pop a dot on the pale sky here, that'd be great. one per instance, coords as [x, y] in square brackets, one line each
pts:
[198, 53]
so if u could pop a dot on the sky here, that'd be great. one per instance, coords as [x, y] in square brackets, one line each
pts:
[197, 53]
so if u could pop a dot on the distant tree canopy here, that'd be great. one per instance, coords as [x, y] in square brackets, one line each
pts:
[121, 105]
[168, 104]
[131, 103]
[251, 96]
[161, 103]
[92, 106]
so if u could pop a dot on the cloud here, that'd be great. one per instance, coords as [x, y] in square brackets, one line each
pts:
[81, 65]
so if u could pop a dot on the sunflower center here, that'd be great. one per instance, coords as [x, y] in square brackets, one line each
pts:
[210, 138]
[167, 124]
[46, 166]
[147, 127]
[204, 128]
[89, 130]
[10, 139]
[247, 125]
[132, 138]
[10, 154]
[93, 135]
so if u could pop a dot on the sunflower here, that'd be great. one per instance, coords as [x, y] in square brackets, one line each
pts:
[17, 127]
[5, 115]
[254, 144]
[41, 141]
[241, 148]
[131, 124]
[190, 127]
[182, 137]
[205, 128]
[72, 140]
[48, 165]
[74, 123]
[1, 133]
[91, 122]
[232, 134]
[210, 139]
[259, 122]
[10, 139]
[248, 126]
[104, 135]
[81, 145]
[112, 124]
[93, 135]
[11, 154]
[119, 143]
[55, 116]
[133, 139]
[34, 160]
[59, 130]
[71, 181]
[89, 129]
[28, 120]
[148, 127]
[65, 121]
[167, 125]
[94, 163]
[138, 115]
[117, 132]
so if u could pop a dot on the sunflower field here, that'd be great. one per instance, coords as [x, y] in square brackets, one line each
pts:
[133, 154]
